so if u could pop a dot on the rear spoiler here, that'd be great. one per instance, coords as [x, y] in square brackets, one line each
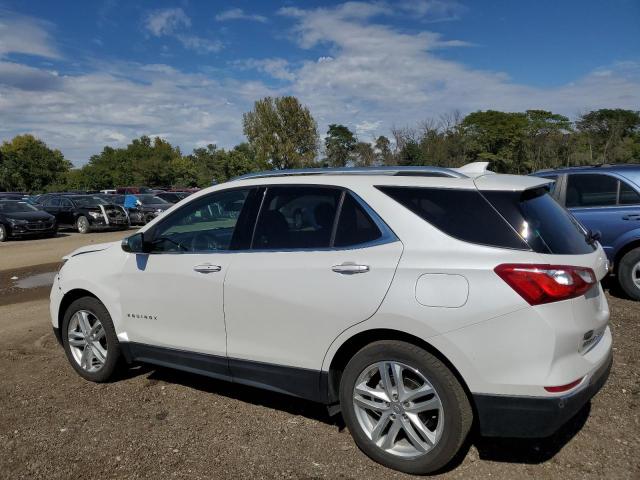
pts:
[512, 183]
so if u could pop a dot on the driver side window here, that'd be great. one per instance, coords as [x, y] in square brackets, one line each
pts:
[204, 225]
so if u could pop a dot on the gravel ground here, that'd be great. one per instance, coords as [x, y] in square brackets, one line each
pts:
[158, 423]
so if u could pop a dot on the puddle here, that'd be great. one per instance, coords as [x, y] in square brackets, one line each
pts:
[34, 281]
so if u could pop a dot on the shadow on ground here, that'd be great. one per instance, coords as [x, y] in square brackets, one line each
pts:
[511, 450]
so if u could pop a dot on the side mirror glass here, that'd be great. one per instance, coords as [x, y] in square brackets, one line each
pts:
[134, 244]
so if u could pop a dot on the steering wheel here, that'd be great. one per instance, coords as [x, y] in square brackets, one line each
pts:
[203, 241]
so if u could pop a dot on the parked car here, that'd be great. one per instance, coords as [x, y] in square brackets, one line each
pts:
[147, 208]
[84, 213]
[410, 299]
[20, 219]
[606, 200]
[13, 196]
[108, 191]
[132, 190]
[172, 197]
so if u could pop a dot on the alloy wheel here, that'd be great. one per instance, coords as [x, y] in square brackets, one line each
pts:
[3, 233]
[635, 275]
[87, 341]
[398, 409]
[83, 225]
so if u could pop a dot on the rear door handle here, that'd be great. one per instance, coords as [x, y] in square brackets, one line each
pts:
[207, 268]
[633, 216]
[350, 268]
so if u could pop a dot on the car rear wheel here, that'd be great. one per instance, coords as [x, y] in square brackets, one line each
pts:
[82, 224]
[404, 408]
[629, 273]
[90, 340]
[3, 233]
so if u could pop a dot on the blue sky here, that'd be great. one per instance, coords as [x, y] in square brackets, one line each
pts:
[82, 75]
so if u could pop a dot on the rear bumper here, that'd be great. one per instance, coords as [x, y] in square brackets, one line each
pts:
[535, 417]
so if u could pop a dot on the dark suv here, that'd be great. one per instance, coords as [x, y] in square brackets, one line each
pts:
[84, 212]
[606, 200]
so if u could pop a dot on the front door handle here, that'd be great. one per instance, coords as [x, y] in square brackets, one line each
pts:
[207, 268]
[350, 268]
[633, 216]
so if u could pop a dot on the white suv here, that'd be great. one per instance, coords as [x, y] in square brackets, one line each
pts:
[413, 300]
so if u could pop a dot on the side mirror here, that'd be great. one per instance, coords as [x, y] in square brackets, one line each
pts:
[134, 244]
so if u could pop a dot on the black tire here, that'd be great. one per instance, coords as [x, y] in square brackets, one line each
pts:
[113, 359]
[82, 224]
[458, 415]
[626, 273]
[4, 234]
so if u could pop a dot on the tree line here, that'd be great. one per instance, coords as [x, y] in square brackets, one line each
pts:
[282, 133]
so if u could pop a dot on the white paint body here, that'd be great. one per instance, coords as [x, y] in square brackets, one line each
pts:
[291, 309]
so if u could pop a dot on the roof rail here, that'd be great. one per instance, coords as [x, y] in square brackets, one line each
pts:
[386, 170]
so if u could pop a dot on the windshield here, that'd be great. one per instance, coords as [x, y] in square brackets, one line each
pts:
[87, 201]
[16, 207]
[150, 199]
[545, 225]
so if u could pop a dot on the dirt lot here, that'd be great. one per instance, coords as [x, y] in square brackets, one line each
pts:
[156, 423]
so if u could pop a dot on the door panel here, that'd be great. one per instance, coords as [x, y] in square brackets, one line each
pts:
[173, 296]
[166, 302]
[287, 307]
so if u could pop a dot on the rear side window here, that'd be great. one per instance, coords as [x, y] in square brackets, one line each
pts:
[463, 214]
[354, 226]
[591, 190]
[541, 221]
[297, 217]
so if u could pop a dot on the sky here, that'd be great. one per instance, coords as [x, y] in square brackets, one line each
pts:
[82, 75]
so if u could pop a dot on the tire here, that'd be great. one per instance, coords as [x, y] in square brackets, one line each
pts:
[447, 424]
[629, 273]
[82, 224]
[4, 235]
[74, 337]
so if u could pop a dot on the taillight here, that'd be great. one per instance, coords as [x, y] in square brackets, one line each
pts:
[563, 388]
[539, 284]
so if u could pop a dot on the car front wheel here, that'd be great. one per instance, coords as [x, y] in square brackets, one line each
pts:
[629, 273]
[3, 233]
[83, 224]
[90, 340]
[404, 408]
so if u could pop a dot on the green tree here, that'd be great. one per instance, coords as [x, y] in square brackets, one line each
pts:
[384, 155]
[282, 133]
[498, 137]
[27, 164]
[364, 155]
[339, 143]
[606, 129]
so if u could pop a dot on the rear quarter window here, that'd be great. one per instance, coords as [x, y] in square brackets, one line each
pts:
[462, 214]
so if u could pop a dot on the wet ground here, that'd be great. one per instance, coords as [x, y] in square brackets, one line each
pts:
[157, 423]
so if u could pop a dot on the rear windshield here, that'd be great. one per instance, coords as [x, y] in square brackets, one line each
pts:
[541, 221]
[86, 201]
[150, 200]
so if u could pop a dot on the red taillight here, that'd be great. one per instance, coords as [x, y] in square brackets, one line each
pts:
[539, 284]
[563, 388]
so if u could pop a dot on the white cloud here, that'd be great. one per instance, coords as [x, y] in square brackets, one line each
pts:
[359, 72]
[172, 22]
[275, 67]
[166, 21]
[239, 14]
[25, 35]
[80, 114]
[398, 78]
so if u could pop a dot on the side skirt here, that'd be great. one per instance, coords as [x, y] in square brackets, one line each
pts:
[299, 382]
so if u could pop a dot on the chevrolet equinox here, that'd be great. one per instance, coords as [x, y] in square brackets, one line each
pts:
[415, 301]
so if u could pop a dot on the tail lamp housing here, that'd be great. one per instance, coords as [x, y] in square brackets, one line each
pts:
[540, 284]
